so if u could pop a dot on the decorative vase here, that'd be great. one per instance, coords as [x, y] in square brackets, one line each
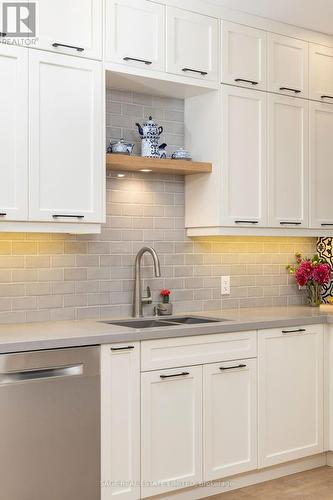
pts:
[314, 294]
[165, 309]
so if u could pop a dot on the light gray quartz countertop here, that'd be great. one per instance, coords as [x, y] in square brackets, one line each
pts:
[57, 334]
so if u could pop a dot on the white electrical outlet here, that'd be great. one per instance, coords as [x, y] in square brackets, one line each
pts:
[225, 285]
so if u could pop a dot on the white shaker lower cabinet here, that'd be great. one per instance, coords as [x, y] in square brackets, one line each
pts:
[192, 44]
[288, 162]
[244, 165]
[290, 394]
[120, 403]
[13, 133]
[171, 429]
[67, 164]
[321, 172]
[229, 418]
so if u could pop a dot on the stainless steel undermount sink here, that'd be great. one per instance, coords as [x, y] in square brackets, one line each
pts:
[193, 320]
[139, 323]
[158, 323]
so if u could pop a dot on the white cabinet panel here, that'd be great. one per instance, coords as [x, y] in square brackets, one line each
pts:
[288, 65]
[75, 23]
[13, 133]
[321, 73]
[192, 44]
[120, 403]
[244, 52]
[67, 165]
[230, 418]
[171, 352]
[135, 33]
[243, 157]
[171, 429]
[321, 171]
[290, 394]
[288, 146]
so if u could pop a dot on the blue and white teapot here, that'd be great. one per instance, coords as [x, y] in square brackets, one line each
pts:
[150, 133]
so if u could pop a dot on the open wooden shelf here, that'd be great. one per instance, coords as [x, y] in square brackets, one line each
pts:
[165, 166]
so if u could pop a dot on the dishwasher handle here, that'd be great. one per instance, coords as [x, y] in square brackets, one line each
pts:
[40, 373]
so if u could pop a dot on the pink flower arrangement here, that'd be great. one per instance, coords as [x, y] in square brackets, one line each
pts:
[310, 271]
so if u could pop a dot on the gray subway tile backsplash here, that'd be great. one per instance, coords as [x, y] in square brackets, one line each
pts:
[54, 276]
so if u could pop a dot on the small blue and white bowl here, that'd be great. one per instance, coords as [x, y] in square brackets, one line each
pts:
[181, 154]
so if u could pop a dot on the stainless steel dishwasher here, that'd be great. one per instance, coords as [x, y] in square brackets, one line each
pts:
[50, 425]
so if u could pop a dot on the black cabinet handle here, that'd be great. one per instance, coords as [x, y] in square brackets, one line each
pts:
[299, 330]
[182, 374]
[291, 90]
[3, 214]
[126, 348]
[223, 368]
[56, 44]
[246, 222]
[2, 34]
[326, 224]
[203, 73]
[246, 81]
[326, 97]
[67, 216]
[289, 223]
[137, 60]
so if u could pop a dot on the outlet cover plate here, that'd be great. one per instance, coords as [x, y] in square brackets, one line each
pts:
[225, 285]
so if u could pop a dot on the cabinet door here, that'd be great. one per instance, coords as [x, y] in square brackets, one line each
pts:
[229, 418]
[135, 33]
[243, 157]
[288, 145]
[321, 73]
[66, 138]
[290, 394]
[244, 52]
[76, 24]
[13, 133]
[171, 429]
[321, 172]
[120, 403]
[192, 44]
[288, 65]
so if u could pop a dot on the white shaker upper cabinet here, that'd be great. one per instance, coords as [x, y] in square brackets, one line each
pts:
[171, 429]
[13, 133]
[71, 27]
[244, 162]
[230, 418]
[321, 171]
[135, 33]
[192, 44]
[288, 66]
[321, 73]
[244, 52]
[66, 139]
[290, 394]
[288, 161]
